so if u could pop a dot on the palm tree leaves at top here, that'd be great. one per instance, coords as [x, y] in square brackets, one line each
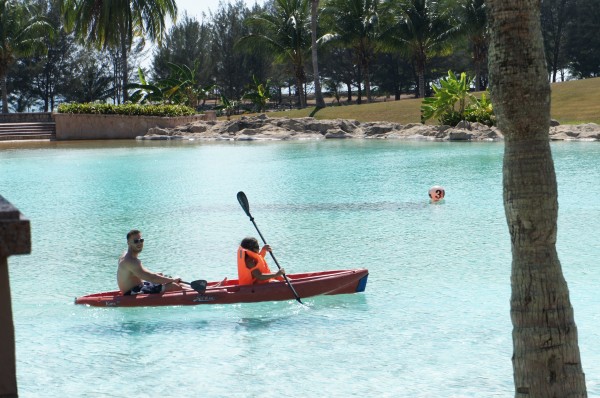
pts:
[115, 23]
[473, 20]
[314, 15]
[22, 33]
[286, 30]
[107, 22]
[422, 29]
[355, 25]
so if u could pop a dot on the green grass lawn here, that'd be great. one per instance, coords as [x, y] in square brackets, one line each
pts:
[573, 102]
[576, 101]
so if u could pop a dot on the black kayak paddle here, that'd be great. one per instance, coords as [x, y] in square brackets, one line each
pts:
[241, 197]
[199, 285]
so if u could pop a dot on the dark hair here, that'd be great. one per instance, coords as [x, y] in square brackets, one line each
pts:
[133, 232]
[250, 243]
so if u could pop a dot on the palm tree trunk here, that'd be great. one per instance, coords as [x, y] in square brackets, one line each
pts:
[315, 61]
[478, 60]
[421, 76]
[546, 358]
[367, 82]
[558, 39]
[300, 86]
[4, 94]
[349, 86]
[46, 92]
[359, 79]
[125, 71]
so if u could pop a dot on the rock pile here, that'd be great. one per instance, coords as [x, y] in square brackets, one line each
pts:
[262, 127]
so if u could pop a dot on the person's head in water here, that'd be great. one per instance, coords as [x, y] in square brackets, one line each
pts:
[250, 243]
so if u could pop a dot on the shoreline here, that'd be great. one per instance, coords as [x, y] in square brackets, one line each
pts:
[264, 128]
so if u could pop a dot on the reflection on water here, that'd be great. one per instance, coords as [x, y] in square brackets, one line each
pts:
[308, 207]
[141, 327]
[351, 206]
[256, 323]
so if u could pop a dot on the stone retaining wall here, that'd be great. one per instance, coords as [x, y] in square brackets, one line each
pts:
[101, 127]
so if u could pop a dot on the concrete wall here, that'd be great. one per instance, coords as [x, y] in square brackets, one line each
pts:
[15, 238]
[101, 127]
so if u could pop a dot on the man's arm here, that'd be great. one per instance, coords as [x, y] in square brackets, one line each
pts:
[136, 268]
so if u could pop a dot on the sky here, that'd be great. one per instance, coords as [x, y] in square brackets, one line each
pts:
[195, 8]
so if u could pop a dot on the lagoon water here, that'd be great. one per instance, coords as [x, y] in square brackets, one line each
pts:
[433, 321]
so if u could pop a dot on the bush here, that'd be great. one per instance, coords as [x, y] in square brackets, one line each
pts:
[481, 116]
[452, 103]
[481, 111]
[127, 109]
[450, 118]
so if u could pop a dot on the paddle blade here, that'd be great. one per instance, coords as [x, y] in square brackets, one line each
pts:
[241, 197]
[199, 285]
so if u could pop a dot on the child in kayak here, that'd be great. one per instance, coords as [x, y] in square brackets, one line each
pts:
[252, 266]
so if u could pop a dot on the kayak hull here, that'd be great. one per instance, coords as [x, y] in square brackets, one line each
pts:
[306, 285]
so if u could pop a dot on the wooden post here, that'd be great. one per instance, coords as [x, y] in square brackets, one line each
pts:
[15, 238]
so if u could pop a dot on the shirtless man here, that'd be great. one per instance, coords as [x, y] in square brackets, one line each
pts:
[133, 278]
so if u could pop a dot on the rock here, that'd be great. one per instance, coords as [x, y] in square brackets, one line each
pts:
[583, 132]
[198, 128]
[379, 129]
[457, 134]
[247, 132]
[463, 124]
[337, 133]
[263, 127]
[158, 131]
[159, 137]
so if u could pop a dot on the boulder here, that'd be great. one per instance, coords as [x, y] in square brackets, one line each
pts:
[337, 133]
[583, 132]
[263, 127]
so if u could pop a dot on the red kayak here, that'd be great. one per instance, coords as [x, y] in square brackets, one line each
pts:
[306, 285]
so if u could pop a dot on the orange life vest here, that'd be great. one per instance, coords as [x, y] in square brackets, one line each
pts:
[244, 273]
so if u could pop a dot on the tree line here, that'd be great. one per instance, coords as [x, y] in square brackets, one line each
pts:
[60, 51]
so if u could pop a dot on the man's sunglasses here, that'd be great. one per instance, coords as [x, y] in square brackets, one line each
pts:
[136, 241]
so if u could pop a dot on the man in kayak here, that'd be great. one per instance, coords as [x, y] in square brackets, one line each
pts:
[252, 267]
[134, 278]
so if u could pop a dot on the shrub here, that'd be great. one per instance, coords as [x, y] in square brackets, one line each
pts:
[452, 103]
[481, 111]
[451, 118]
[127, 109]
[259, 94]
[227, 106]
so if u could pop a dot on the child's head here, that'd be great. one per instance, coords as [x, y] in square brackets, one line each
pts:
[250, 243]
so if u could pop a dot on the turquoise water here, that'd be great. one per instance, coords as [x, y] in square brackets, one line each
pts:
[433, 321]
